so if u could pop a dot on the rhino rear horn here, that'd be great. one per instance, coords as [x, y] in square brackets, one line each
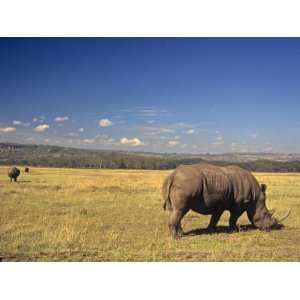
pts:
[272, 211]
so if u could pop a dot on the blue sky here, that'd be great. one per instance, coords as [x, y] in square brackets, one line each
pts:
[191, 95]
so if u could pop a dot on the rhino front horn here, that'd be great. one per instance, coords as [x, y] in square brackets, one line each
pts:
[285, 216]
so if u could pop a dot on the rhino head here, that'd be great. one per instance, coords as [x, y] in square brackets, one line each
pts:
[260, 216]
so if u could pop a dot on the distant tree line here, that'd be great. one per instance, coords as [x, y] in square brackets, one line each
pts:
[51, 156]
[106, 162]
[145, 163]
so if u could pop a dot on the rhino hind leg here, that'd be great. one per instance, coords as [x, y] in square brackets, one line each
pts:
[175, 222]
[214, 221]
[179, 229]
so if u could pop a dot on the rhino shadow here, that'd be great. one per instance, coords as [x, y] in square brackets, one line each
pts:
[23, 181]
[225, 229]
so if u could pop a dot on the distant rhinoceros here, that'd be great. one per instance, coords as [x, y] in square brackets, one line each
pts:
[13, 173]
[210, 190]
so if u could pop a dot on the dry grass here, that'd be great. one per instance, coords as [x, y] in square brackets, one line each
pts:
[116, 215]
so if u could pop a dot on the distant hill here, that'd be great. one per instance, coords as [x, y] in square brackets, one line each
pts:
[54, 156]
[247, 157]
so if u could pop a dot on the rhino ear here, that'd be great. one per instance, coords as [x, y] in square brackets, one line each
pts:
[263, 187]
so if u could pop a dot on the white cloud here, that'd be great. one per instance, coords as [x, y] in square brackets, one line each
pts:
[8, 129]
[39, 119]
[156, 130]
[72, 134]
[190, 131]
[131, 142]
[81, 129]
[173, 143]
[151, 121]
[219, 140]
[166, 130]
[218, 143]
[149, 114]
[30, 139]
[89, 141]
[183, 125]
[148, 110]
[19, 123]
[103, 140]
[105, 123]
[268, 149]
[144, 112]
[61, 119]
[253, 135]
[106, 141]
[41, 128]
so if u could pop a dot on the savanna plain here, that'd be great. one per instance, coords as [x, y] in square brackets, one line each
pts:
[116, 215]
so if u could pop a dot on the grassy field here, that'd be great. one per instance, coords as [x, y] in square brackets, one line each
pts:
[116, 215]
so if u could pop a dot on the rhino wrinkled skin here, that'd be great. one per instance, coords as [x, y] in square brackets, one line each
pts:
[210, 190]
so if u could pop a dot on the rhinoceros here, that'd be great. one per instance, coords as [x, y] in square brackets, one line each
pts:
[13, 173]
[210, 190]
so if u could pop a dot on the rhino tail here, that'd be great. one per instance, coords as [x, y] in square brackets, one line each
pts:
[166, 192]
[167, 204]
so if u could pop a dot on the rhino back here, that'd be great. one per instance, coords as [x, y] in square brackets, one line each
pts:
[205, 186]
[245, 185]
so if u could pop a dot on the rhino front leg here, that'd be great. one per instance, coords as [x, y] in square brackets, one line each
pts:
[250, 217]
[174, 223]
[233, 219]
[214, 220]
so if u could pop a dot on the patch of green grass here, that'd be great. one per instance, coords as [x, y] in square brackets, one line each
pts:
[115, 215]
